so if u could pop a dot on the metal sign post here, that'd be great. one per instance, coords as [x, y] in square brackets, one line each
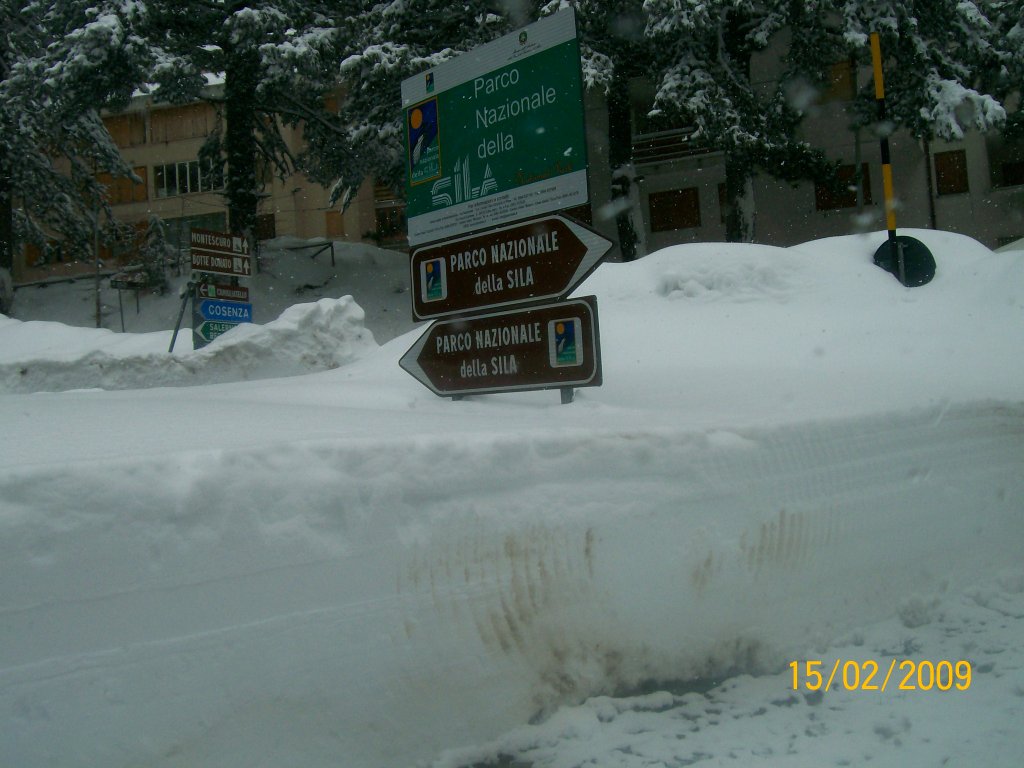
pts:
[186, 294]
[908, 259]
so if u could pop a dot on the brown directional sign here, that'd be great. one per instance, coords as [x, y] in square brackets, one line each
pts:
[539, 347]
[220, 253]
[223, 292]
[531, 261]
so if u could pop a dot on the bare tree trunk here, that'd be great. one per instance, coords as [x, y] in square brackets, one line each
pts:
[239, 141]
[739, 201]
[6, 192]
[6, 220]
[620, 157]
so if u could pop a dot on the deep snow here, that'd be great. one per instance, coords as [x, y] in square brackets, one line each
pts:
[793, 457]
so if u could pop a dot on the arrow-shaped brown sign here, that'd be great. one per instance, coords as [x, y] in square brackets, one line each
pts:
[540, 347]
[220, 253]
[528, 262]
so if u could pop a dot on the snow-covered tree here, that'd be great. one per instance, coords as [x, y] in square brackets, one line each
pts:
[273, 56]
[60, 64]
[1007, 80]
[941, 56]
[155, 251]
[705, 50]
[615, 50]
[380, 45]
[944, 62]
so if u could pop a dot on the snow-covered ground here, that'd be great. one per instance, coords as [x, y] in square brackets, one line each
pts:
[792, 459]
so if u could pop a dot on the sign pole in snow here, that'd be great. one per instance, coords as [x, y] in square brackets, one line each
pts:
[186, 295]
[909, 260]
[890, 205]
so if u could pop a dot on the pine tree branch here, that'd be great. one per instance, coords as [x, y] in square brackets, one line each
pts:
[307, 115]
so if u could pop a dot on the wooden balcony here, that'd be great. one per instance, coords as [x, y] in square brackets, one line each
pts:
[663, 146]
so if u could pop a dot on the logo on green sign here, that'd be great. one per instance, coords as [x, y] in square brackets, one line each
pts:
[564, 349]
[423, 142]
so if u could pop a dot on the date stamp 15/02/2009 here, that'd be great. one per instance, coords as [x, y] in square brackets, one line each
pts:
[869, 675]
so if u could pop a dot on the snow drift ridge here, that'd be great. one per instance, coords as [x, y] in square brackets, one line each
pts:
[305, 338]
[500, 576]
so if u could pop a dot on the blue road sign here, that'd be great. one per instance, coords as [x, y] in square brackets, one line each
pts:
[225, 311]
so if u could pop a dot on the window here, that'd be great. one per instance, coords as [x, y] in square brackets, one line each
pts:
[266, 227]
[1006, 160]
[582, 213]
[334, 224]
[390, 222]
[828, 199]
[841, 82]
[184, 178]
[178, 229]
[389, 214]
[123, 190]
[127, 130]
[644, 118]
[674, 209]
[180, 123]
[951, 172]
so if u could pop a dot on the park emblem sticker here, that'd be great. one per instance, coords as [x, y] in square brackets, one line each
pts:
[423, 143]
[564, 347]
[433, 280]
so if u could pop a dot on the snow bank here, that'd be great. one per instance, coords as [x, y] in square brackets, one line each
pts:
[815, 331]
[378, 600]
[341, 568]
[39, 356]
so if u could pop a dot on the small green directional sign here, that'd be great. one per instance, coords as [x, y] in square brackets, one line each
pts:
[209, 330]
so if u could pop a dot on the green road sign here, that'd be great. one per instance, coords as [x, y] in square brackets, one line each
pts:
[209, 330]
[497, 134]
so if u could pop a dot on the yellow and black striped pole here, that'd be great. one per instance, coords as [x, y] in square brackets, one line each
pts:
[887, 188]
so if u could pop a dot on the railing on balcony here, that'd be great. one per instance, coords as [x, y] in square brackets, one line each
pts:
[662, 146]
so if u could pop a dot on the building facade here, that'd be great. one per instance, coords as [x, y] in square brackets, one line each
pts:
[162, 144]
[974, 186]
